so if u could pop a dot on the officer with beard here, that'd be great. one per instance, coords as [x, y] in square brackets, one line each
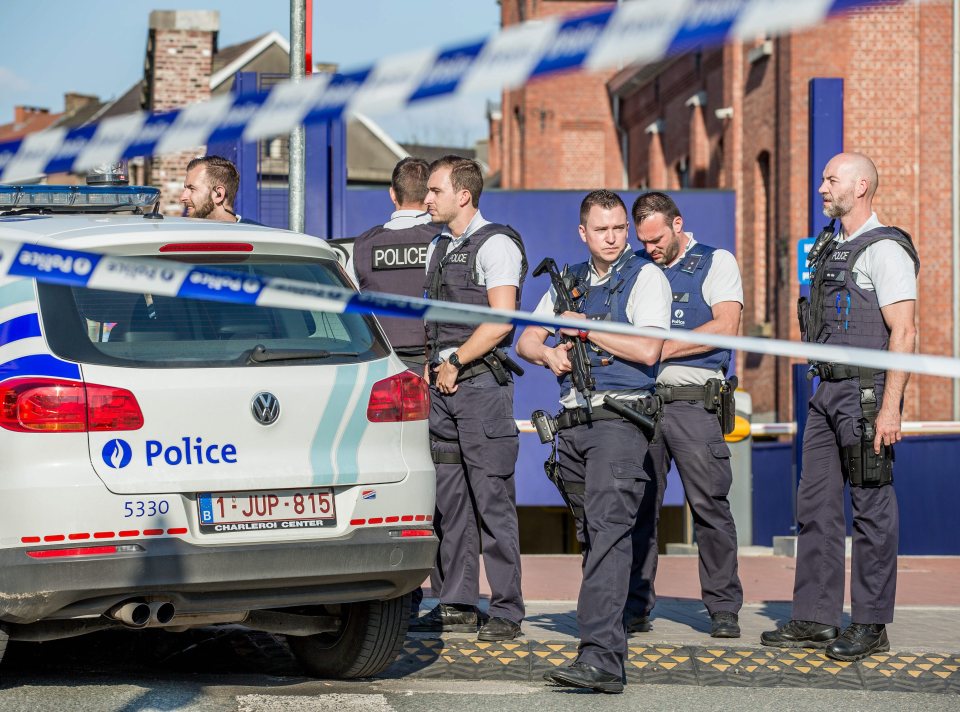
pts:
[210, 189]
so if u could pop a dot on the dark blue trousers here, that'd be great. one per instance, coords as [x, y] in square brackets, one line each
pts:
[609, 459]
[833, 422]
[691, 436]
[476, 499]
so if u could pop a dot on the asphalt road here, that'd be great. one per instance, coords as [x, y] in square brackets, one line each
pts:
[229, 670]
[265, 694]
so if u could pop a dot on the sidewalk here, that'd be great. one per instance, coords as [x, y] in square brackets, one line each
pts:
[925, 635]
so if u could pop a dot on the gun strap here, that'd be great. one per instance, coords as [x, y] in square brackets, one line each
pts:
[445, 457]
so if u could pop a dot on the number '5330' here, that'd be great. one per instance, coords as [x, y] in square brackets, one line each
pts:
[145, 508]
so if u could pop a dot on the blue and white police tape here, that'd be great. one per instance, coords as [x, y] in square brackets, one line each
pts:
[639, 31]
[159, 277]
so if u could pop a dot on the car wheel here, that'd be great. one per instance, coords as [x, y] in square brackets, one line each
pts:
[367, 643]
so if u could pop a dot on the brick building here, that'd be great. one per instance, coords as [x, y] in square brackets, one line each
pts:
[557, 132]
[736, 117]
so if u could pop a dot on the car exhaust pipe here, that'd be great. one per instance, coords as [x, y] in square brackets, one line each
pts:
[161, 612]
[135, 614]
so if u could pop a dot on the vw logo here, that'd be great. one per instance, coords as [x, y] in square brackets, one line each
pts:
[116, 454]
[266, 408]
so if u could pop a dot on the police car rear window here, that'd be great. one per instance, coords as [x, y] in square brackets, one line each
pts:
[151, 331]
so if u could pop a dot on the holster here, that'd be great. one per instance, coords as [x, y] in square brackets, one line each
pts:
[719, 397]
[803, 316]
[865, 468]
[552, 468]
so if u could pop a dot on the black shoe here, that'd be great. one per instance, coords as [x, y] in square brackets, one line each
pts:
[725, 624]
[858, 641]
[444, 618]
[800, 634]
[639, 624]
[499, 629]
[586, 676]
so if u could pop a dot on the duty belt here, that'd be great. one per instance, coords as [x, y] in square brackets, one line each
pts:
[469, 370]
[840, 371]
[669, 394]
[572, 417]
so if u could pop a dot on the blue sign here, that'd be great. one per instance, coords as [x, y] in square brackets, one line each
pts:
[803, 249]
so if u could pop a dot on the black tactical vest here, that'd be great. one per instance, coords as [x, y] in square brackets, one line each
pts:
[841, 312]
[393, 261]
[452, 277]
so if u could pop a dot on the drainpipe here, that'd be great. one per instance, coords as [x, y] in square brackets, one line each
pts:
[955, 208]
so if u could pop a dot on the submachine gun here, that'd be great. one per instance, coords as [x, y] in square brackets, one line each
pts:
[568, 293]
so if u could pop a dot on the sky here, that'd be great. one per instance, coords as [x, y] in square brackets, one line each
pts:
[50, 47]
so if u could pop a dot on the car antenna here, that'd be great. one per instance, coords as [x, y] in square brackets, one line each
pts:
[155, 214]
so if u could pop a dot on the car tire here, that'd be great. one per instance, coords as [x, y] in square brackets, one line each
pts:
[4, 639]
[367, 643]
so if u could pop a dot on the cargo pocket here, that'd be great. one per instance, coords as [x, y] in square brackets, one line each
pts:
[721, 478]
[504, 445]
[629, 482]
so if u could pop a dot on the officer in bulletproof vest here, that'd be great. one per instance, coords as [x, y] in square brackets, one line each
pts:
[601, 460]
[698, 409]
[392, 257]
[863, 294]
[474, 437]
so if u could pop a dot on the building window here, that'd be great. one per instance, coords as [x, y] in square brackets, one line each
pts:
[682, 169]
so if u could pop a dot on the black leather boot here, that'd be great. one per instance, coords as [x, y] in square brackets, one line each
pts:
[858, 641]
[800, 634]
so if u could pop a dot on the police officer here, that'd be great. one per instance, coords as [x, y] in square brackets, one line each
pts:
[472, 428]
[603, 458]
[707, 297]
[863, 293]
[210, 188]
[392, 257]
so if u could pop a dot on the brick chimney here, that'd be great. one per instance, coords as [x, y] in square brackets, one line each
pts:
[22, 113]
[73, 102]
[179, 61]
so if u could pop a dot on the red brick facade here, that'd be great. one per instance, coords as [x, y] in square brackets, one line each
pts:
[180, 50]
[895, 63]
[559, 132]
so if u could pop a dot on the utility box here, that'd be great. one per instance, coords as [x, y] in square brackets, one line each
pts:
[740, 442]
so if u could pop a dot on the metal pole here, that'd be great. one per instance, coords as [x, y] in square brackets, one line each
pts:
[296, 150]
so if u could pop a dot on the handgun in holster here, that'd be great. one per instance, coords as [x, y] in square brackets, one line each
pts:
[866, 468]
[719, 397]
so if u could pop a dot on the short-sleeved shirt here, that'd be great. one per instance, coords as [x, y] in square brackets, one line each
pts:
[399, 220]
[722, 284]
[498, 260]
[648, 304]
[884, 267]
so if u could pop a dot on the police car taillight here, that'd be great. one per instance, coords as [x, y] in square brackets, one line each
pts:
[404, 396]
[48, 405]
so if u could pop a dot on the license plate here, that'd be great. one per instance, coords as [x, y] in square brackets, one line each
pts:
[266, 511]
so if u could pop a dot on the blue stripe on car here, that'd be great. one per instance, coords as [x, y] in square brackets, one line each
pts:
[39, 365]
[21, 327]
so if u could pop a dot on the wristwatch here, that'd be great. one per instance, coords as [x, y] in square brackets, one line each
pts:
[454, 361]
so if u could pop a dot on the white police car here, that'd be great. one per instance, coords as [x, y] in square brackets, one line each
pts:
[175, 462]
